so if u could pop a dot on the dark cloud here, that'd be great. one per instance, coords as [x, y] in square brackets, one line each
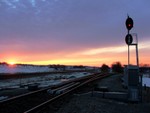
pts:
[75, 24]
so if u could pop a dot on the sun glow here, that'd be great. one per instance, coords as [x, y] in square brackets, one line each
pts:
[11, 63]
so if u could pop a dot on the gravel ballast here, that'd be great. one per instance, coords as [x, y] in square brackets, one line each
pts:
[85, 103]
[89, 104]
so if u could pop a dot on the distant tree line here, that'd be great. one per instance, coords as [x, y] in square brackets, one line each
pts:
[116, 67]
[105, 68]
[144, 69]
[3, 63]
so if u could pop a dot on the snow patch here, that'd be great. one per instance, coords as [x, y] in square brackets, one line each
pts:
[43, 81]
[3, 97]
[146, 81]
[24, 69]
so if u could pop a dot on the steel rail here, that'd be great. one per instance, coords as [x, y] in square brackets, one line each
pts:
[45, 89]
[40, 106]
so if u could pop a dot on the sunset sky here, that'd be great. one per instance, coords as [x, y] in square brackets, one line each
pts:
[72, 32]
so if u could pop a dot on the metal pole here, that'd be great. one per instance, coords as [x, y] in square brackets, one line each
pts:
[128, 53]
[137, 54]
[137, 57]
[128, 69]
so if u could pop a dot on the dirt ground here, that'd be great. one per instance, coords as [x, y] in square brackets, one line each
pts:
[93, 104]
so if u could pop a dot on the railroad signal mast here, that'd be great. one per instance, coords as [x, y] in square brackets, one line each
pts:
[132, 71]
[129, 38]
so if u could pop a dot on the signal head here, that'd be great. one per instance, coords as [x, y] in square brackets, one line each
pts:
[128, 39]
[129, 23]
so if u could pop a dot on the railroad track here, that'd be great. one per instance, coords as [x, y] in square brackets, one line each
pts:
[37, 100]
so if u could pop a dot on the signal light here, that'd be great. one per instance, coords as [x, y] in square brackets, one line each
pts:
[128, 39]
[129, 23]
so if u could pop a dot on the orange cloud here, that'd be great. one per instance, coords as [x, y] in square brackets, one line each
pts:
[93, 57]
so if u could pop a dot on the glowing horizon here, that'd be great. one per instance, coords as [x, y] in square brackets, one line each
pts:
[91, 57]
